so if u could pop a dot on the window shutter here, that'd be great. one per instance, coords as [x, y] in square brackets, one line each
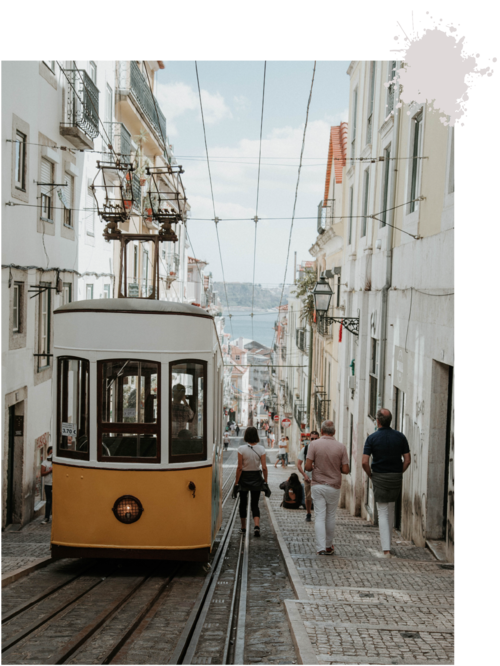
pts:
[69, 181]
[46, 176]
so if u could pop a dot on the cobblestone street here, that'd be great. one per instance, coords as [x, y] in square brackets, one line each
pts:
[356, 608]
[26, 547]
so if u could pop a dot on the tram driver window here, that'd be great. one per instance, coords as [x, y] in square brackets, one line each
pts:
[129, 420]
[187, 411]
[73, 408]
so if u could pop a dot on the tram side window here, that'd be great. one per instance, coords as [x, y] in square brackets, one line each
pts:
[129, 422]
[73, 408]
[188, 411]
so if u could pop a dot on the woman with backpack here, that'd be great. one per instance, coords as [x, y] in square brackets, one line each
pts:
[251, 477]
[292, 498]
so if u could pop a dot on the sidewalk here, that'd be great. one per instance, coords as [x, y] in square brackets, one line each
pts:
[356, 607]
[25, 547]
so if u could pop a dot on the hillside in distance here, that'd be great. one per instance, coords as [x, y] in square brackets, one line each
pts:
[239, 294]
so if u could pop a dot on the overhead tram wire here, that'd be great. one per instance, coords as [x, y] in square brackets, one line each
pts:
[296, 193]
[213, 200]
[257, 200]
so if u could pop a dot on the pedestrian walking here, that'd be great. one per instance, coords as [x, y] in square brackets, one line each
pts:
[251, 477]
[286, 451]
[237, 430]
[233, 428]
[226, 441]
[292, 498]
[47, 484]
[281, 452]
[330, 461]
[307, 475]
[390, 459]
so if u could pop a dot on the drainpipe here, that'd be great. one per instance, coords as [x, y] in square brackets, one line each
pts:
[388, 247]
[309, 376]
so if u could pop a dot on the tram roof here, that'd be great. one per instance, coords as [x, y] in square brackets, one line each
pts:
[133, 305]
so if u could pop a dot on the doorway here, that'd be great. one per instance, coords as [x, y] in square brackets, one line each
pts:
[10, 469]
[13, 499]
[440, 465]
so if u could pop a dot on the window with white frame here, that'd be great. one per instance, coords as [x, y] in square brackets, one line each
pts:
[366, 191]
[69, 183]
[46, 189]
[351, 202]
[415, 161]
[44, 326]
[107, 291]
[51, 64]
[17, 304]
[90, 291]
[67, 290]
[371, 96]
[373, 378]
[390, 88]
[353, 122]
[451, 171]
[20, 161]
[93, 71]
[385, 186]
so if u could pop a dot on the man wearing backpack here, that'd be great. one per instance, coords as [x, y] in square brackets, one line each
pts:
[307, 475]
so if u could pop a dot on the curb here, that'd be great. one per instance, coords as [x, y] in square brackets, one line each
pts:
[298, 586]
[12, 576]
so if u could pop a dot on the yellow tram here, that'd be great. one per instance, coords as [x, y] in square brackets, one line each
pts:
[137, 466]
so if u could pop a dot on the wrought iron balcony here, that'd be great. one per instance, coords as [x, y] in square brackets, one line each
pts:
[323, 327]
[299, 414]
[301, 339]
[121, 140]
[137, 192]
[81, 109]
[131, 80]
[321, 407]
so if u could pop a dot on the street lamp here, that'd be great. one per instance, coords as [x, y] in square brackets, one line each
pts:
[322, 295]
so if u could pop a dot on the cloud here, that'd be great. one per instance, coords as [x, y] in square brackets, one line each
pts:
[240, 102]
[177, 99]
[337, 118]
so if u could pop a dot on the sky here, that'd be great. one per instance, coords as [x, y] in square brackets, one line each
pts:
[232, 103]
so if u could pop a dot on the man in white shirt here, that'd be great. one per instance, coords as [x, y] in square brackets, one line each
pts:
[281, 451]
[307, 475]
[47, 479]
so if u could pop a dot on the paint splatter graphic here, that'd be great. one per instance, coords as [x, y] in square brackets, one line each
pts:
[437, 70]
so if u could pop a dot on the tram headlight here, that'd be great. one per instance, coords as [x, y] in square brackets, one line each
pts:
[127, 509]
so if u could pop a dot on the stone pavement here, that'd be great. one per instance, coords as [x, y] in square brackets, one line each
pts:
[26, 546]
[356, 607]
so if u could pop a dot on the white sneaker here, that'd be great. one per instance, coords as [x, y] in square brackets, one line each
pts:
[45, 521]
[387, 555]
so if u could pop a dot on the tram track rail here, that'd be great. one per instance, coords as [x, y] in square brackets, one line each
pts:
[88, 579]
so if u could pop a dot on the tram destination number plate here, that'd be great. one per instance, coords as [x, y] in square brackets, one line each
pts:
[68, 430]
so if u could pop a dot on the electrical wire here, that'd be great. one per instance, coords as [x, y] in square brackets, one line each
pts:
[213, 200]
[258, 185]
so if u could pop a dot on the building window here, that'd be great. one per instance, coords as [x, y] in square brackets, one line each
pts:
[17, 305]
[136, 261]
[188, 411]
[51, 64]
[93, 71]
[451, 177]
[354, 114]
[67, 289]
[90, 292]
[237, 357]
[73, 408]
[338, 287]
[107, 290]
[390, 88]
[369, 124]
[385, 191]
[415, 162]
[129, 423]
[373, 378]
[69, 182]
[399, 409]
[44, 327]
[20, 161]
[351, 201]
[145, 272]
[46, 188]
[366, 191]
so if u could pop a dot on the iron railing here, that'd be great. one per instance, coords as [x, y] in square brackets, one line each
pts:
[299, 413]
[323, 327]
[321, 407]
[131, 78]
[137, 192]
[82, 103]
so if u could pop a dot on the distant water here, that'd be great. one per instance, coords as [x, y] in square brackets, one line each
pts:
[263, 325]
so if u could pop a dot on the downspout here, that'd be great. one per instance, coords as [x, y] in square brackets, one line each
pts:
[388, 247]
[309, 375]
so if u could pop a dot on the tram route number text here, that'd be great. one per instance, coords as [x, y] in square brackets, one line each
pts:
[68, 430]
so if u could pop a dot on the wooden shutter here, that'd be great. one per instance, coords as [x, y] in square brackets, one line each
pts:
[46, 176]
[68, 190]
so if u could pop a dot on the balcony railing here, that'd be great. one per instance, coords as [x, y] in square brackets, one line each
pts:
[137, 192]
[299, 414]
[322, 327]
[82, 104]
[130, 78]
[121, 140]
[321, 407]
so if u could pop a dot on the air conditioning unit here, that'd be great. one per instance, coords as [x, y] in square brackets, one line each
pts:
[352, 382]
